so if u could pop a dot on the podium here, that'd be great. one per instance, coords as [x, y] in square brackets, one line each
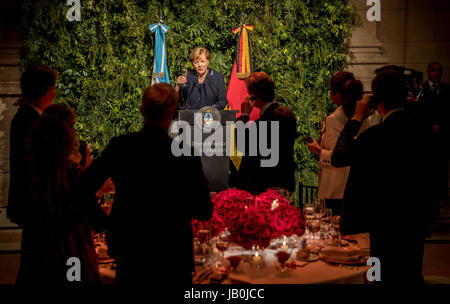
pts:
[216, 168]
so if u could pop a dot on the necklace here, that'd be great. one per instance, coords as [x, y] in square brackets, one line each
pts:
[201, 78]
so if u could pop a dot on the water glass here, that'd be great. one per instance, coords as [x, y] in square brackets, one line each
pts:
[309, 214]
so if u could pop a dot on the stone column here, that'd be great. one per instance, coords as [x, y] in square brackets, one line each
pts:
[10, 44]
[365, 53]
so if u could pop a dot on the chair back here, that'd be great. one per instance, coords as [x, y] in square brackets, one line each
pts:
[306, 194]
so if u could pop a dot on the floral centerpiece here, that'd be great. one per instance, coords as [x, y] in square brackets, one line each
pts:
[253, 220]
[252, 228]
[228, 205]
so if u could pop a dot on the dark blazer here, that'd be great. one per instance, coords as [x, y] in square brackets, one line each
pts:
[18, 189]
[59, 228]
[213, 93]
[435, 105]
[387, 192]
[256, 179]
[157, 195]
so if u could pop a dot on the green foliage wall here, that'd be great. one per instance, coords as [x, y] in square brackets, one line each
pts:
[105, 60]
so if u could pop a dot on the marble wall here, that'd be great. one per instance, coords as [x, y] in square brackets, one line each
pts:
[10, 43]
[411, 33]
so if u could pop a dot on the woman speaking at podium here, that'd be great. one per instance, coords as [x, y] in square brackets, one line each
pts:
[202, 86]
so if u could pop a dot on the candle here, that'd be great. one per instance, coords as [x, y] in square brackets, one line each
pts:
[256, 259]
[275, 204]
[284, 247]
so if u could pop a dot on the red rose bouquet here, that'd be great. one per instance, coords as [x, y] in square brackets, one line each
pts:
[267, 200]
[228, 205]
[252, 228]
[287, 220]
[253, 221]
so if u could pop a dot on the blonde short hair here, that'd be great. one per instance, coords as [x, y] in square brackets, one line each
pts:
[197, 52]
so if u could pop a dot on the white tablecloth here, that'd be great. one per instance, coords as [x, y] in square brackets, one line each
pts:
[318, 272]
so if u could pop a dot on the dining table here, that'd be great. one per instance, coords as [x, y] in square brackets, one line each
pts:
[316, 271]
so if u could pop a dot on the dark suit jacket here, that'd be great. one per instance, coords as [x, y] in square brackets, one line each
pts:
[434, 110]
[213, 94]
[18, 187]
[256, 179]
[157, 195]
[435, 105]
[387, 192]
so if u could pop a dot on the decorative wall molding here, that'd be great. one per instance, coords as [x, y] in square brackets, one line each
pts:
[365, 52]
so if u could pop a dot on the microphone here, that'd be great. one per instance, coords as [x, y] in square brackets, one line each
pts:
[190, 93]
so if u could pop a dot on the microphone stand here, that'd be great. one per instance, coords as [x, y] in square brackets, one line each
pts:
[189, 95]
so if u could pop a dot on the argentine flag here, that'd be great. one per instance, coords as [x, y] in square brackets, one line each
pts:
[160, 73]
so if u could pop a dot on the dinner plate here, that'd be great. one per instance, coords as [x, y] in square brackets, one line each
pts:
[344, 260]
[312, 258]
[343, 242]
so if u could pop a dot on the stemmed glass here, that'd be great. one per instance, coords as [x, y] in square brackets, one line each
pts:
[320, 207]
[204, 235]
[336, 219]
[184, 73]
[282, 257]
[308, 213]
[326, 222]
[222, 242]
[314, 227]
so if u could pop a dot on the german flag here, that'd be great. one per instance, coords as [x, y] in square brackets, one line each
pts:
[237, 91]
[243, 54]
[242, 68]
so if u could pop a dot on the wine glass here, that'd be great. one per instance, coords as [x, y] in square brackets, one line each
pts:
[308, 213]
[320, 207]
[336, 219]
[325, 222]
[234, 262]
[282, 257]
[222, 242]
[204, 235]
[314, 227]
[184, 73]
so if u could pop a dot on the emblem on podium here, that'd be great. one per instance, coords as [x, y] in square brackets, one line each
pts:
[207, 118]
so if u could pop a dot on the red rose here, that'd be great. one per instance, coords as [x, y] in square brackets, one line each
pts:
[282, 257]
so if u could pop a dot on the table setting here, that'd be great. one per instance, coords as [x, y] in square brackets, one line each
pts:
[264, 239]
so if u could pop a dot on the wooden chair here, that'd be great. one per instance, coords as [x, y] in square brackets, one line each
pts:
[306, 194]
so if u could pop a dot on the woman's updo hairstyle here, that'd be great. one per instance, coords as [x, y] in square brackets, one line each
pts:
[347, 86]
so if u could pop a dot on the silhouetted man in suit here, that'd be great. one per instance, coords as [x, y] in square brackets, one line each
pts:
[253, 176]
[434, 100]
[157, 195]
[387, 189]
[38, 84]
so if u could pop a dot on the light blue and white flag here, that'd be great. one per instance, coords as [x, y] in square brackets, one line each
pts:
[160, 73]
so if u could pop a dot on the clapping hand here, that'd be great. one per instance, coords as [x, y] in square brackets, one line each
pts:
[181, 80]
[362, 109]
[411, 97]
[314, 147]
